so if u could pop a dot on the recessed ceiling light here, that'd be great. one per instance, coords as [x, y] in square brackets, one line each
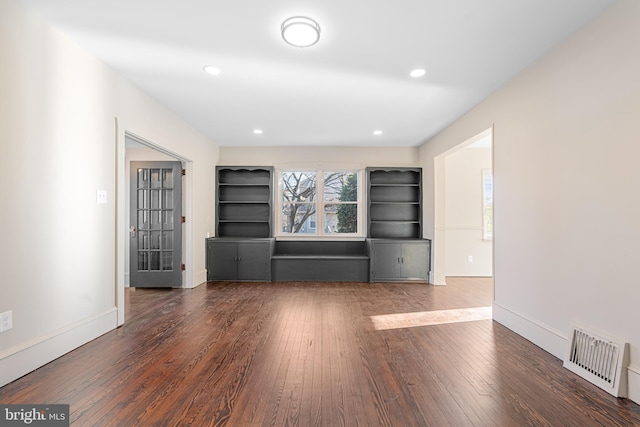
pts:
[377, 132]
[210, 69]
[257, 131]
[300, 31]
[418, 72]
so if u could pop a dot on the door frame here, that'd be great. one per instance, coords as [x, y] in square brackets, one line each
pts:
[438, 276]
[122, 213]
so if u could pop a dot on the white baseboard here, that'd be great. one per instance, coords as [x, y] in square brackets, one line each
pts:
[634, 383]
[541, 335]
[553, 342]
[433, 281]
[199, 278]
[18, 361]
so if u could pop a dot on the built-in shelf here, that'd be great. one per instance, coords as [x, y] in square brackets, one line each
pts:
[394, 203]
[244, 201]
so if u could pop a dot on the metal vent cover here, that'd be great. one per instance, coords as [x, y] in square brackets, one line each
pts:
[598, 358]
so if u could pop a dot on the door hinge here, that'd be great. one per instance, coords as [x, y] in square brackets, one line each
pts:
[183, 172]
[183, 219]
[183, 267]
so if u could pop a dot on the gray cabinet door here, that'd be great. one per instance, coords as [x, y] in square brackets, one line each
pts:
[254, 260]
[415, 260]
[221, 260]
[239, 259]
[398, 260]
[385, 261]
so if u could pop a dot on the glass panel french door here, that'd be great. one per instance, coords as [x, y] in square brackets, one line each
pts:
[156, 226]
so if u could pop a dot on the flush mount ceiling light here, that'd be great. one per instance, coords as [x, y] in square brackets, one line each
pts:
[258, 131]
[300, 31]
[377, 132]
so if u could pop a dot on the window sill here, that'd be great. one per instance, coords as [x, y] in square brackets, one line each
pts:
[321, 238]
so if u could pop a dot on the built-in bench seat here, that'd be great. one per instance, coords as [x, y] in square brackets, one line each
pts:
[324, 261]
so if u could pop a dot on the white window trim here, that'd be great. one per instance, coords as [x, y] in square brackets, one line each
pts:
[320, 233]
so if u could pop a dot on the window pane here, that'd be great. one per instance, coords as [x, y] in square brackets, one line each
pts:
[298, 218]
[326, 208]
[167, 220]
[143, 261]
[143, 178]
[156, 180]
[155, 220]
[299, 186]
[143, 199]
[340, 186]
[143, 220]
[167, 240]
[154, 239]
[341, 218]
[155, 199]
[167, 260]
[154, 261]
[167, 178]
[143, 240]
[167, 199]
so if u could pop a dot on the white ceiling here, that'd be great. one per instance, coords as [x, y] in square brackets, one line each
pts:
[354, 81]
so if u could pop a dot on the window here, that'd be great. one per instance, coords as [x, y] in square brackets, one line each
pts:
[320, 203]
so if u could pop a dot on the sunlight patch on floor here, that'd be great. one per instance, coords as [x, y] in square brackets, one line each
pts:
[427, 318]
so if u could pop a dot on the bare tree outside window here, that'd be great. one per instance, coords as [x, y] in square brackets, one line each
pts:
[299, 201]
[338, 203]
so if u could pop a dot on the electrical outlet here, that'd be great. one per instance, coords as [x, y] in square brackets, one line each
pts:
[6, 321]
[101, 196]
[470, 258]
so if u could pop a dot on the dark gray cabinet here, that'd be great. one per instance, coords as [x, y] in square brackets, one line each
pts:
[394, 203]
[399, 260]
[243, 201]
[239, 259]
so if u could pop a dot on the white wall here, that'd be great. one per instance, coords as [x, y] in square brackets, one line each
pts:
[567, 205]
[365, 156]
[463, 213]
[60, 144]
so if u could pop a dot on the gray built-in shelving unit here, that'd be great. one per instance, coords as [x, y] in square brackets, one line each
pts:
[243, 245]
[394, 203]
[244, 201]
[395, 245]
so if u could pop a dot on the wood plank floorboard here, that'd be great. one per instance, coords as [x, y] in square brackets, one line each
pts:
[308, 354]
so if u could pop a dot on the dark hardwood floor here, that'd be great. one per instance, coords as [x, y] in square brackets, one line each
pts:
[307, 354]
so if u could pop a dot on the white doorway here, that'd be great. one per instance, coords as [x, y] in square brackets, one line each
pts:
[463, 243]
[132, 147]
[139, 150]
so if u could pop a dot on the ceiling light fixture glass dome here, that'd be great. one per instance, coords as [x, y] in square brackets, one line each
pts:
[300, 31]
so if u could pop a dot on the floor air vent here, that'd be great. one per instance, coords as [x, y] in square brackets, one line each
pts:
[598, 358]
